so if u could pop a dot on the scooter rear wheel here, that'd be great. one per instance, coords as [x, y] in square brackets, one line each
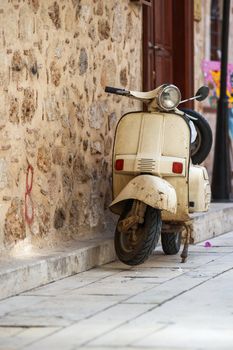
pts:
[133, 248]
[171, 242]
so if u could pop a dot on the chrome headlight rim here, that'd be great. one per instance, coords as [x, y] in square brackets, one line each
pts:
[160, 96]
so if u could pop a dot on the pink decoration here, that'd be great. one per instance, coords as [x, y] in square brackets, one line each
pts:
[211, 70]
[207, 244]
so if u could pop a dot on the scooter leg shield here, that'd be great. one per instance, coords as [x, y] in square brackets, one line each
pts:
[151, 190]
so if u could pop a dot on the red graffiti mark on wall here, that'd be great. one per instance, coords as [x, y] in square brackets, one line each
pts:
[29, 206]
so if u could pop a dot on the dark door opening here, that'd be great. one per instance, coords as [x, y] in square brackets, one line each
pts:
[168, 45]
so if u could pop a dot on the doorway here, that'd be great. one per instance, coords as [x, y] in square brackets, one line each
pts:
[168, 45]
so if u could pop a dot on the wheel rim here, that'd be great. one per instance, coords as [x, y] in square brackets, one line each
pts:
[178, 239]
[131, 240]
[195, 146]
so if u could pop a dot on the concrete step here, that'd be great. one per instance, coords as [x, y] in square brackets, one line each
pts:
[29, 267]
[218, 220]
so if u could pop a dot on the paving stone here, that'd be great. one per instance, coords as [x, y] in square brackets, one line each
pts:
[72, 283]
[181, 337]
[185, 282]
[166, 291]
[121, 348]
[60, 311]
[203, 304]
[202, 317]
[129, 333]
[25, 337]
[116, 266]
[115, 347]
[85, 331]
[153, 275]
[18, 303]
[214, 249]
[114, 285]
[158, 259]
[6, 332]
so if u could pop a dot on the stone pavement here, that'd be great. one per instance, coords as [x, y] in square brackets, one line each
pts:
[161, 304]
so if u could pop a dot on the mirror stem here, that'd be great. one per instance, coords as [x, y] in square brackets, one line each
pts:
[190, 99]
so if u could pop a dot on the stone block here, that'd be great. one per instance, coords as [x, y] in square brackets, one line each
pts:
[44, 159]
[14, 223]
[3, 173]
[28, 106]
[103, 29]
[54, 14]
[83, 61]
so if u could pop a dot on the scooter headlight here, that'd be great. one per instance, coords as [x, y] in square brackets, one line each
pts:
[169, 97]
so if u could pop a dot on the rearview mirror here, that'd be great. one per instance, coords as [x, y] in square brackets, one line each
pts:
[202, 93]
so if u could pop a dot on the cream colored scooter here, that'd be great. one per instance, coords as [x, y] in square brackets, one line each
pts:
[155, 183]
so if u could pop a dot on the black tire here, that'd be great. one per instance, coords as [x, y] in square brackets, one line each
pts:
[147, 238]
[201, 147]
[171, 242]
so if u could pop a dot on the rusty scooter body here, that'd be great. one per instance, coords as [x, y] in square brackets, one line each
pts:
[155, 183]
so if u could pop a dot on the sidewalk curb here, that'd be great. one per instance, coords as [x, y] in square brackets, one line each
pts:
[217, 221]
[22, 275]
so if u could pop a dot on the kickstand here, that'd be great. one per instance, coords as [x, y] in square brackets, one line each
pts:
[184, 253]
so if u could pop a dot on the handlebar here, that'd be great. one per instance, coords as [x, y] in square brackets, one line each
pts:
[117, 91]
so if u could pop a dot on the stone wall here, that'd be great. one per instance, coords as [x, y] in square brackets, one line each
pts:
[56, 122]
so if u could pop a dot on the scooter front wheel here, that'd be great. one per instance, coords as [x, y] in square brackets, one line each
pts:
[135, 246]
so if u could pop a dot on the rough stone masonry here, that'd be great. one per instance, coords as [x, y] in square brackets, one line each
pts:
[56, 123]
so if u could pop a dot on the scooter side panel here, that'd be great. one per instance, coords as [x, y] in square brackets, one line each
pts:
[176, 137]
[199, 189]
[126, 142]
[177, 142]
[138, 136]
[182, 213]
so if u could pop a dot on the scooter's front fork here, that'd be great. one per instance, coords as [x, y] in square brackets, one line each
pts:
[135, 217]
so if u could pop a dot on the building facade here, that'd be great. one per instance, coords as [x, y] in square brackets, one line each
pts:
[56, 122]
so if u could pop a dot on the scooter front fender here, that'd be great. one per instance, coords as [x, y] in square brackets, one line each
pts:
[151, 190]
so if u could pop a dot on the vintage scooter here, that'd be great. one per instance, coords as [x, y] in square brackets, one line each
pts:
[156, 180]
